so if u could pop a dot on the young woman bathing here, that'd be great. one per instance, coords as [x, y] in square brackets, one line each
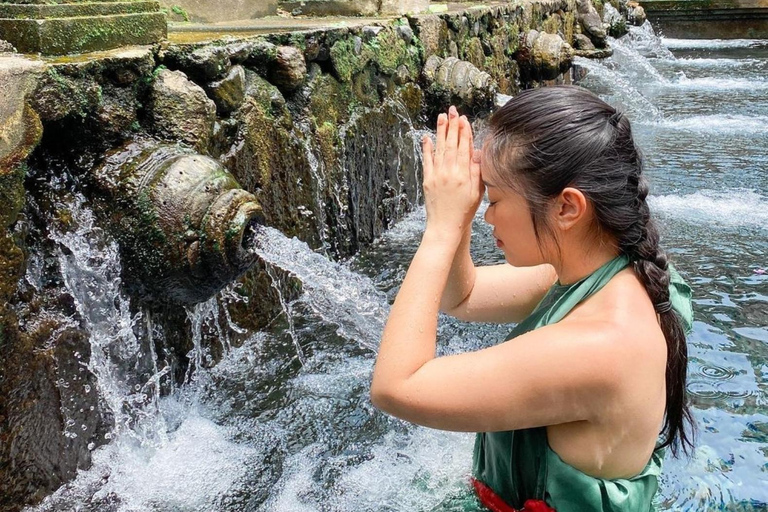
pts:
[576, 408]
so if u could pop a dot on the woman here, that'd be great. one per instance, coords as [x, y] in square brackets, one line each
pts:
[571, 407]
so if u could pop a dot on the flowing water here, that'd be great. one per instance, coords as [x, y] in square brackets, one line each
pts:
[284, 423]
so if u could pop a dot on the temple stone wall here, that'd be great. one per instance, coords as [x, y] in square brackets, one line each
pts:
[709, 19]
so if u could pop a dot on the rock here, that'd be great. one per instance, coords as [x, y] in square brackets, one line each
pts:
[402, 75]
[635, 14]
[289, 70]
[19, 125]
[544, 56]
[582, 42]
[117, 111]
[6, 47]
[59, 96]
[406, 33]
[551, 55]
[229, 92]
[202, 64]
[370, 32]
[179, 109]
[456, 82]
[433, 34]
[614, 21]
[591, 23]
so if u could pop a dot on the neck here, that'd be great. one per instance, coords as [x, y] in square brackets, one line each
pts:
[578, 261]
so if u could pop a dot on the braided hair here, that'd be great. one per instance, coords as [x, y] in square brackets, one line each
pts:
[547, 139]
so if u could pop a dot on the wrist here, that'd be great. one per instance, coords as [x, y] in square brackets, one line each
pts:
[448, 237]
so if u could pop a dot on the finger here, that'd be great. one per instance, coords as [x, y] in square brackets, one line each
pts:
[474, 173]
[471, 139]
[428, 158]
[442, 128]
[452, 137]
[464, 153]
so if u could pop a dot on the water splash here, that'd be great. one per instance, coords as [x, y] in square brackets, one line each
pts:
[90, 266]
[647, 43]
[618, 90]
[338, 295]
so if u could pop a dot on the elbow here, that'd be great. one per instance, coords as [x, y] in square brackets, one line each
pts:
[459, 311]
[380, 397]
[385, 398]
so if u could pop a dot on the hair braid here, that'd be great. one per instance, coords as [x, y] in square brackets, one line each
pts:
[651, 265]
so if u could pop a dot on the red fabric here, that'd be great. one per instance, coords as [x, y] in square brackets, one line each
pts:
[494, 503]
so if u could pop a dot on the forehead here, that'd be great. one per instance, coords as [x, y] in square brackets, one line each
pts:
[487, 171]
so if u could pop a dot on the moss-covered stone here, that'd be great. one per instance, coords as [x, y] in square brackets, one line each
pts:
[78, 34]
[384, 55]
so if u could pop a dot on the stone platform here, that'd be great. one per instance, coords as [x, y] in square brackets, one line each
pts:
[709, 19]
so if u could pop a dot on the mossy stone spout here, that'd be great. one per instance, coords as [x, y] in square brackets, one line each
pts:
[182, 220]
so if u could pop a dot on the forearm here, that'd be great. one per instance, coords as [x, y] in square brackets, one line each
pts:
[409, 338]
[461, 278]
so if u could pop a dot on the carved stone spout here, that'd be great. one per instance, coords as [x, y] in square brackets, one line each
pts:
[182, 221]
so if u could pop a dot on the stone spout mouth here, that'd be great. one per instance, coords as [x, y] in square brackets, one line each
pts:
[229, 232]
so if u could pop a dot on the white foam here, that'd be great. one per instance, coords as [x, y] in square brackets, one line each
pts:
[706, 44]
[715, 63]
[193, 472]
[723, 84]
[730, 208]
[413, 470]
[722, 124]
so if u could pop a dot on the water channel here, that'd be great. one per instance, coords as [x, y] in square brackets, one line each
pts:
[284, 423]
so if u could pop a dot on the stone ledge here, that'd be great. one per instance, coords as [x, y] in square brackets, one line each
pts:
[59, 36]
[38, 11]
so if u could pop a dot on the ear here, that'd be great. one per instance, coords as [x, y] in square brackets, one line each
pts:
[570, 208]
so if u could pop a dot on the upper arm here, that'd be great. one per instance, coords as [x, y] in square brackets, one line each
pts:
[504, 294]
[557, 374]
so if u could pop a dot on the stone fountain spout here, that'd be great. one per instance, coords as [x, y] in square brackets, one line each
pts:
[183, 223]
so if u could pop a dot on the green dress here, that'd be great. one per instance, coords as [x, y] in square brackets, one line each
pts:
[520, 465]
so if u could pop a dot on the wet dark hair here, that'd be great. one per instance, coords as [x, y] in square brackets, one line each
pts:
[547, 139]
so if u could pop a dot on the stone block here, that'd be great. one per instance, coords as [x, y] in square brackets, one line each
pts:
[18, 125]
[65, 28]
[397, 7]
[214, 11]
[333, 7]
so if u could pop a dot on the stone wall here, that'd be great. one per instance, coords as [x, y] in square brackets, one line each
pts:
[319, 125]
[709, 19]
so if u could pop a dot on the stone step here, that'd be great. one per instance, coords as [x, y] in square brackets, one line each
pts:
[97, 8]
[80, 34]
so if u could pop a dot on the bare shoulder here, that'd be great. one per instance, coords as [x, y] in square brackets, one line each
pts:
[622, 316]
[618, 438]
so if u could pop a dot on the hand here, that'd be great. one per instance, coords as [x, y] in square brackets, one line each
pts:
[453, 189]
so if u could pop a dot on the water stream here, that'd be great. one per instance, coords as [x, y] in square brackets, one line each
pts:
[284, 423]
